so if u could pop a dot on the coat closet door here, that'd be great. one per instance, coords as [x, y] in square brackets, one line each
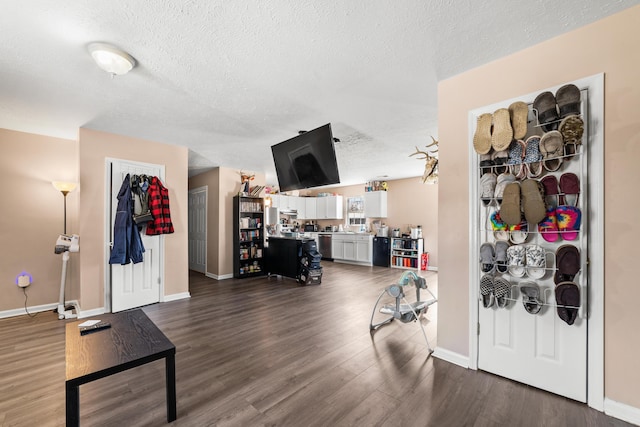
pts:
[539, 349]
[135, 285]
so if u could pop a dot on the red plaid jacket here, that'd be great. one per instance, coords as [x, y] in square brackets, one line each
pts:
[159, 207]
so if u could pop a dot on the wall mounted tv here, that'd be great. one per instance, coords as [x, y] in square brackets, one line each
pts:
[307, 160]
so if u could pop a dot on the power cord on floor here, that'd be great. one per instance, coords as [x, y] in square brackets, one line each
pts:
[25, 303]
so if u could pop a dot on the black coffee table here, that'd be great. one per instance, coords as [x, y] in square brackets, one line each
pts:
[132, 340]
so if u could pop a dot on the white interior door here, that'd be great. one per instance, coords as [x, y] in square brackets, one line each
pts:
[134, 285]
[198, 229]
[541, 349]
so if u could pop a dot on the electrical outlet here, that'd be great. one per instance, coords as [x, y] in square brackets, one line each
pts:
[23, 280]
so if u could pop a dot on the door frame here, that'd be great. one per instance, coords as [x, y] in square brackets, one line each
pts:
[108, 191]
[205, 189]
[595, 328]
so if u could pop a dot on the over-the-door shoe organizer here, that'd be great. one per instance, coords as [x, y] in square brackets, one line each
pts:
[532, 215]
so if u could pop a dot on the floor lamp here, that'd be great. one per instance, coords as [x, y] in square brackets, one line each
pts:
[64, 245]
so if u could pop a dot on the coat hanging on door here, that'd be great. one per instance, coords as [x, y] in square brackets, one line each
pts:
[127, 244]
[159, 205]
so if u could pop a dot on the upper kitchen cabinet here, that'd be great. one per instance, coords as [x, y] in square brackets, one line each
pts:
[311, 208]
[375, 204]
[329, 207]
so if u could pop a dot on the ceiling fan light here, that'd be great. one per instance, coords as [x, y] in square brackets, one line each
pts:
[111, 59]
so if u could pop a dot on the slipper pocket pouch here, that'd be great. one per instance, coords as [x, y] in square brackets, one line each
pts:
[531, 297]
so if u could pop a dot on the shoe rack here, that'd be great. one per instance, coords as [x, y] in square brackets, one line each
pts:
[572, 162]
[513, 332]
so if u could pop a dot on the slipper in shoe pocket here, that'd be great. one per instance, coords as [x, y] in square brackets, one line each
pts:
[501, 291]
[501, 256]
[568, 100]
[482, 136]
[568, 301]
[516, 260]
[499, 160]
[533, 156]
[569, 219]
[486, 290]
[548, 227]
[550, 185]
[572, 129]
[567, 263]
[500, 229]
[518, 233]
[536, 262]
[487, 187]
[502, 133]
[546, 109]
[487, 257]
[570, 189]
[510, 208]
[519, 111]
[552, 149]
[532, 201]
[501, 182]
[486, 164]
[531, 297]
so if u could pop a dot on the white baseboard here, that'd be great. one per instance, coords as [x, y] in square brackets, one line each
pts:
[432, 268]
[92, 312]
[621, 411]
[451, 357]
[220, 277]
[34, 309]
[175, 297]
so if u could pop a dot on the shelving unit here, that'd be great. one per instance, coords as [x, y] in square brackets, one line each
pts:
[406, 253]
[248, 236]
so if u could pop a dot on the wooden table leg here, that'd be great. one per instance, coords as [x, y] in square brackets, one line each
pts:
[171, 387]
[72, 405]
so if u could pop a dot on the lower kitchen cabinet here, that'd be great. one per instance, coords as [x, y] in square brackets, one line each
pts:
[354, 248]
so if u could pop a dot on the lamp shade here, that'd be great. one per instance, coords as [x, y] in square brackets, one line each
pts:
[111, 59]
[64, 187]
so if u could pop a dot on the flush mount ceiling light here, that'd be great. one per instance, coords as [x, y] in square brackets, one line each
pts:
[111, 59]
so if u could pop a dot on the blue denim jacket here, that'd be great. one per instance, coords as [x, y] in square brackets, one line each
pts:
[127, 244]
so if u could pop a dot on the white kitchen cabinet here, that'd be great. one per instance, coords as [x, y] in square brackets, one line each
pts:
[375, 204]
[329, 207]
[310, 207]
[275, 200]
[364, 249]
[352, 248]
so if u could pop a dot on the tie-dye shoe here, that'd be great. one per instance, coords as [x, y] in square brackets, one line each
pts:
[548, 227]
[569, 219]
[499, 227]
[518, 233]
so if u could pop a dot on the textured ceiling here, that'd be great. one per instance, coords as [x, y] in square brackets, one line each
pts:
[228, 79]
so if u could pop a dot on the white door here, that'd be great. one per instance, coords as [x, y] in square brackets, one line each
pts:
[134, 285]
[198, 229]
[541, 349]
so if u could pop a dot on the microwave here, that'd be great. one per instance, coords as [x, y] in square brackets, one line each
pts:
[309, 228]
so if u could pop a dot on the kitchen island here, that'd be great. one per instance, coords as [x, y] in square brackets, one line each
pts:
[284, 255]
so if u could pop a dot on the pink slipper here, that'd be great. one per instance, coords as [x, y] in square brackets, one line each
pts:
[569, 218]
[548, 227]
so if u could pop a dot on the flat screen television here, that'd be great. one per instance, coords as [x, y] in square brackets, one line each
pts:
[307, 160]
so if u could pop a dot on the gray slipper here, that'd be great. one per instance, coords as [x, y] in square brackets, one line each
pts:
[531, 297]
[487, 257]
[501, 256]
[568, 100]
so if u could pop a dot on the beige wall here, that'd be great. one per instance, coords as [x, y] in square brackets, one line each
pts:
[211, 180]
[32, 216]
[94, 148]
[410, 202]
[223, 184]
[609, 46]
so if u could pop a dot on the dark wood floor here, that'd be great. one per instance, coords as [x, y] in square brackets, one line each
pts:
[271, 352]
